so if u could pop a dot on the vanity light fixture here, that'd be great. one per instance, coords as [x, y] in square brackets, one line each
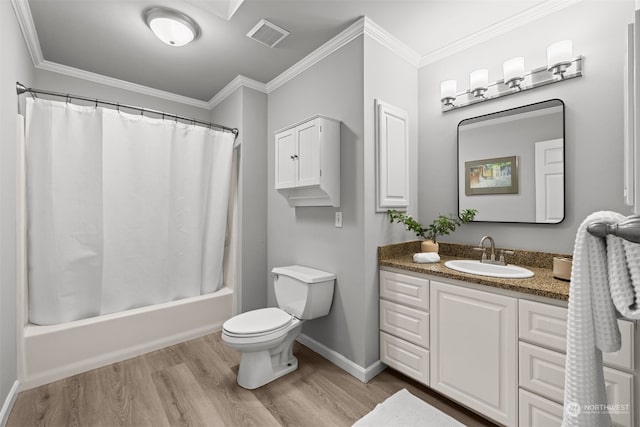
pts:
[478, 82]
[560, 66]
[513, 72]
[448, 92]
[172, 27]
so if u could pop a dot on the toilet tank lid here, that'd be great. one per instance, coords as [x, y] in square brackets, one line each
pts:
[304, 274]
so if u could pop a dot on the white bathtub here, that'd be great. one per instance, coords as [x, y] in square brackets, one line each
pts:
[50, 353]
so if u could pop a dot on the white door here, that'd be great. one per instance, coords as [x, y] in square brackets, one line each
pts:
[549, 178]
[474, 349]
[308, 161]
[285, 159]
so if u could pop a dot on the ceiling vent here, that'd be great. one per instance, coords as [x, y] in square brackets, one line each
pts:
[267, 33]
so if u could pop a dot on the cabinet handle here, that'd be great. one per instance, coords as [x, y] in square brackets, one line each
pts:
[294, 156]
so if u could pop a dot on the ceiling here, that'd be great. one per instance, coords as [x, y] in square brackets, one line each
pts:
[110, 38]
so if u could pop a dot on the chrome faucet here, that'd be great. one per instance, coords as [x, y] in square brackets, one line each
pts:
[484, 251]
[492, 257]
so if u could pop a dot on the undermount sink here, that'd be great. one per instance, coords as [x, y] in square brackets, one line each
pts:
[492, 270]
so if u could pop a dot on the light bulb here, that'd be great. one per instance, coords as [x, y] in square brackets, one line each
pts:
[448, 91]
[478, 82]
[513, 71]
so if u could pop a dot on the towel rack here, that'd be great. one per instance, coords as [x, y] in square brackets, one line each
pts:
[628, 230]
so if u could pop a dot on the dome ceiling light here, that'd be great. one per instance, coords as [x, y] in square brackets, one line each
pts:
[172, 27]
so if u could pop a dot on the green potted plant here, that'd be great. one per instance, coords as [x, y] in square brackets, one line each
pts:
[441, 226]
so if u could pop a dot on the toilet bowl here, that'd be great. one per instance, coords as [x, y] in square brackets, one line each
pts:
[265, 336]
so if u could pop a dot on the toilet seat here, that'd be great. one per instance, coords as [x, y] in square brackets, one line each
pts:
[256, 323]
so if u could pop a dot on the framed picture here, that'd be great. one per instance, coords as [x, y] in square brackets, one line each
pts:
[491, 176]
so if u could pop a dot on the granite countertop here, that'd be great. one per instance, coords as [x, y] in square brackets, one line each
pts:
[542, 283]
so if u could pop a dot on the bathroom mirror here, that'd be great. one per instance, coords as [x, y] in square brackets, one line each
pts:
[511, 164]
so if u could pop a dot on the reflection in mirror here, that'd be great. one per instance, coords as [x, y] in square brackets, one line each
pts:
[511, 164]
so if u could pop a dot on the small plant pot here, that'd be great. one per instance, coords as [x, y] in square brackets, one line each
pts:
[429, 246]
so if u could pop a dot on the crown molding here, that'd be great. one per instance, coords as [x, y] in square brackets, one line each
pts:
[121, 84]
[352, 32]
[232, 86]
[28, 28]
[380, 35]
[363, 25]
[518, 20]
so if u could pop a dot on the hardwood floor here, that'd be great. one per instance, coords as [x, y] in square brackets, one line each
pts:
[194, 384]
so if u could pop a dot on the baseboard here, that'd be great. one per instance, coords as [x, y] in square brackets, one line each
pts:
[352, 368]
[8, 403]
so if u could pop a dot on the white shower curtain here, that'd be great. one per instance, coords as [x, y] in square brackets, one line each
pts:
[124, 210]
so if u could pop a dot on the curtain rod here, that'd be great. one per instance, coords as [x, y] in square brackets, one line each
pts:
[20, 89]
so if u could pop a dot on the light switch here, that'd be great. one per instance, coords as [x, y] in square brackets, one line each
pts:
[339, 219]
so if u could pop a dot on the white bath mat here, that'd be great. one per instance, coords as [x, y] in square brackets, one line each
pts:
[403, 409]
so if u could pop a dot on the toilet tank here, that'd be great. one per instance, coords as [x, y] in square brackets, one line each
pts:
[303, 292]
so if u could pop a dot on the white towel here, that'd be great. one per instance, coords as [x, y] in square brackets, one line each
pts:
[426, 257]
[599, 271]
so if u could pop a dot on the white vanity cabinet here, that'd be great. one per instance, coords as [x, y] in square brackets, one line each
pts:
[307, 162]
[473, 349]
[500, 353]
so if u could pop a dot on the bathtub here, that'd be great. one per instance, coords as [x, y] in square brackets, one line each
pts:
[50, 353]
[53, 352]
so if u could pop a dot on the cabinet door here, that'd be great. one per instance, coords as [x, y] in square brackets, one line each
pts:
[536, 411]
[405, 357]
[542, 372]
[474, 349]
[405, 322]
[546, 325]
[404, 289]
[308, 160]
[285, 159]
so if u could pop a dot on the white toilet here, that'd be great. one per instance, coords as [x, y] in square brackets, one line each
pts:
[265, 336]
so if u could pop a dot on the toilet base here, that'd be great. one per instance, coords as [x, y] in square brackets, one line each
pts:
[258, 368]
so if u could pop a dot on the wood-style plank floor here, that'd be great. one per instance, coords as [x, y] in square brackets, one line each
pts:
[194, 384]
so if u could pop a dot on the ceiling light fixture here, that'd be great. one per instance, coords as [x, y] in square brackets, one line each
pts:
[172, 27]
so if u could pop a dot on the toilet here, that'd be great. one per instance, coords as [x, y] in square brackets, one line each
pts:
[265, 336]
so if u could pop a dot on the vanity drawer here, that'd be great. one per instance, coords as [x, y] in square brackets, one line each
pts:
[405, 357]
[546, 325]
[404, 289]
[541, 371]
[536, 411]
[405, 322]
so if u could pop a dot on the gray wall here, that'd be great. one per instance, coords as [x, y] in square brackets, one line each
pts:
[594, 114]
[246, 109]
[306, 235]
[344, 86]
[393, 80]
[15, 66]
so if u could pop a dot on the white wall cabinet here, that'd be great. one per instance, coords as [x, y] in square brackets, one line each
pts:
[392, 157]
[307, 162]
[473, 349]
